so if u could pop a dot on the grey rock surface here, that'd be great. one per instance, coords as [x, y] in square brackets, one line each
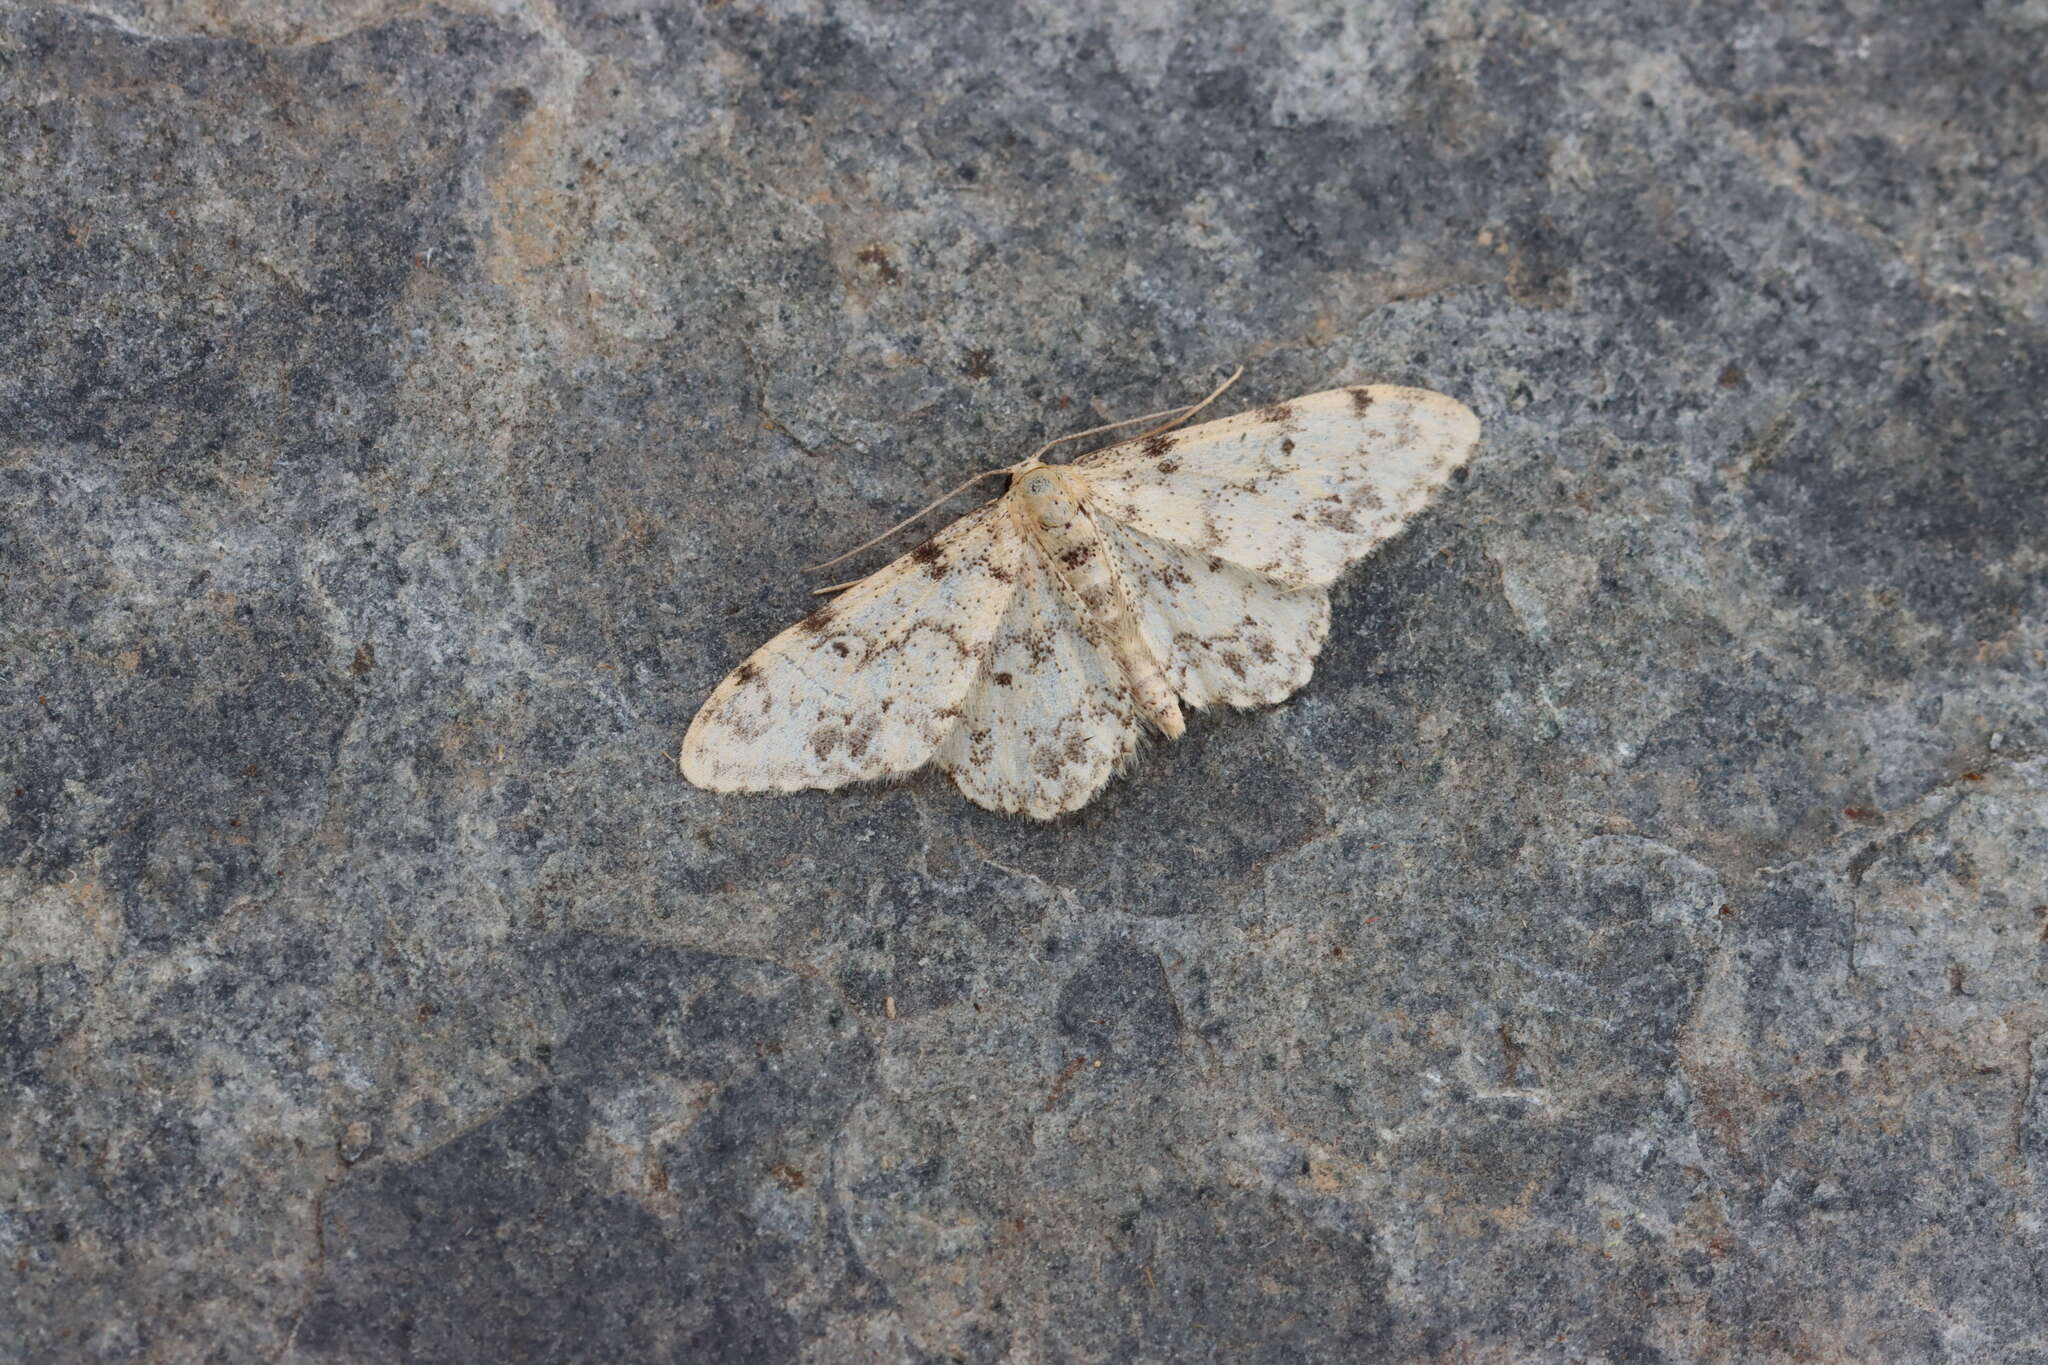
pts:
[1630, 947]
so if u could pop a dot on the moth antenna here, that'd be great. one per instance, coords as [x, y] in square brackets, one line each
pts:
[836, 587]
[1097, 431]
[1179, 415]
[1186, 413]
[869, 544]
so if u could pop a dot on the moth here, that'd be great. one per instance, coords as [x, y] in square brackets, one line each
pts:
[1025, 648]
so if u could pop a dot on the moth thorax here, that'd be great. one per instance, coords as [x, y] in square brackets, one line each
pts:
[1046, 496]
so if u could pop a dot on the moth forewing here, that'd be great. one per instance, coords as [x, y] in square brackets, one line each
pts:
[1294, 491]
[871, 683]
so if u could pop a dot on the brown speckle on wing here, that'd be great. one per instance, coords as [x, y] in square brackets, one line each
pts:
[932, 558]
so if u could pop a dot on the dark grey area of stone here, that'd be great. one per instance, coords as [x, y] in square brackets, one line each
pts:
[1629, 947]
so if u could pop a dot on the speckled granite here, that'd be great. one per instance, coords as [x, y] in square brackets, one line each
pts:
[1629, 948]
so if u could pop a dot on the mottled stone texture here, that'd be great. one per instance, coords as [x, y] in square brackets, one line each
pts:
[1630, 947]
